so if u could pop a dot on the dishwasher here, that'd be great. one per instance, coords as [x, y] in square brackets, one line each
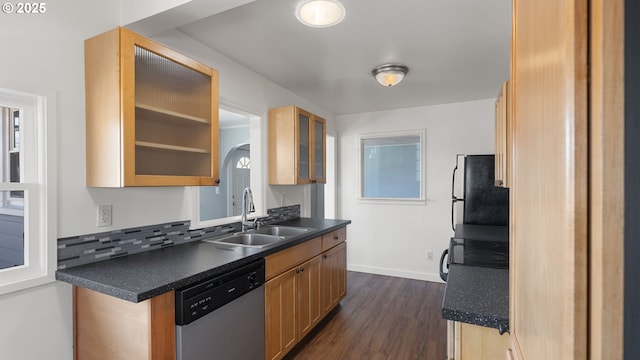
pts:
[222, 318]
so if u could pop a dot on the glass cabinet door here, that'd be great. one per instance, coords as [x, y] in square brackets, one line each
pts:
[304, 171]
[319, 135]
[172, 117]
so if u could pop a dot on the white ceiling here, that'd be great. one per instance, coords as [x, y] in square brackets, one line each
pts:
[456, 50]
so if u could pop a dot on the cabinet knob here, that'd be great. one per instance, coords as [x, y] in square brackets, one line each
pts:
[324, 256]
[336, 238]
[217, 181]
[298, 271]
[301, 269]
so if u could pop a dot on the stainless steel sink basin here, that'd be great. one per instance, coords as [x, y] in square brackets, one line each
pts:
[286, 231]
[249, 239]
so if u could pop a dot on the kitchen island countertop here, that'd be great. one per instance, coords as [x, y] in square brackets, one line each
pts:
[144, 275]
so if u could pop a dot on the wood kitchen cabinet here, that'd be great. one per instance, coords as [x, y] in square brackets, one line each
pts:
[108, 328]
[303, 284]
[297, 147]
[472, 342]
[334, 277]
[309, 290]
[151, 114]
[502, 137]
[281, 306]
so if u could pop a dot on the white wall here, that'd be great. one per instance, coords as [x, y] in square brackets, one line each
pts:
[394, 239]
[46, 51]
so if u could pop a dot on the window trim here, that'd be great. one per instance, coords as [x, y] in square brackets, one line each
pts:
[39, 183]
[421, 200]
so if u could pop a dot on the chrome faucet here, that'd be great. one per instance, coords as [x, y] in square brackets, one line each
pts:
[247, 208]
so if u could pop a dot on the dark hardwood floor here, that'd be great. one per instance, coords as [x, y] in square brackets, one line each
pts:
[381, 318]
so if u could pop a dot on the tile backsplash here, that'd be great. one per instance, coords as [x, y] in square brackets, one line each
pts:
[90, 248]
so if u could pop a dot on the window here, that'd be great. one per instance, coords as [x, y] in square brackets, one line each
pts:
[244, 163]
[392, 167]
[27, 189]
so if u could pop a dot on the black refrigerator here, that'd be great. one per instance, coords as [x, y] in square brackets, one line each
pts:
[482, 238]
[483, 202]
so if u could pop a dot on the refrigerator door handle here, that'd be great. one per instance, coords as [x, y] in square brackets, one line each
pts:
[454, 199]
[444, 275]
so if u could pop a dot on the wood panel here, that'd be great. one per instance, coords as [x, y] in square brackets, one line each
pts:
[479, 343]
[309, 287]
[283, 132]
[103, 104]
[284, 260]
[606, 180]
[548, 285]
[281, 304]
[334, 238]
[334, 275]
[111, 329]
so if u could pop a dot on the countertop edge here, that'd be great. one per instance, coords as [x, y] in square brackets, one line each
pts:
[477, 296]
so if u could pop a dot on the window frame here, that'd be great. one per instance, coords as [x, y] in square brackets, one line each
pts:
[421, 200]
[38, 180]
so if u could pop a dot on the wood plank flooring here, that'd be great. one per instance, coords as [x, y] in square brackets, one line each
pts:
[381, 318]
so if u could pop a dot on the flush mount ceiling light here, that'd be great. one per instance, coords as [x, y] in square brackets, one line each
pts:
[389, 74]
[320, 13]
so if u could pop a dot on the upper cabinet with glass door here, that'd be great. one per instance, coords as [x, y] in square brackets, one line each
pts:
[152, 114]
[297, 147]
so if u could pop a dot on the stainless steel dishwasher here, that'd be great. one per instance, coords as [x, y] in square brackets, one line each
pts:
[222, 318]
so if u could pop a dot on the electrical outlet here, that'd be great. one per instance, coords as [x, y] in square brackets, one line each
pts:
[104, 215]
[429, 255]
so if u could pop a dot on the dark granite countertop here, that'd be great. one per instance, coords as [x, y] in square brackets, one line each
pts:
[141, 276]
[477, 295]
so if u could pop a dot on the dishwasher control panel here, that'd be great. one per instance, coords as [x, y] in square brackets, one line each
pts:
[196, 301]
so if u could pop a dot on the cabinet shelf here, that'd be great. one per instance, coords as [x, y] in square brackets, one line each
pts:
[171, 113]
[171, 147]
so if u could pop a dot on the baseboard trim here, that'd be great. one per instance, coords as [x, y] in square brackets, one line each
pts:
[395, 272]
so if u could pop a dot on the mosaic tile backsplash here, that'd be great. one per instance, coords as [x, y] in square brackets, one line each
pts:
[90, 248]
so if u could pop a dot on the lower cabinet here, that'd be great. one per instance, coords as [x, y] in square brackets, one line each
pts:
[296, 299]
[334, 277]
[474, 342]
[111, 329]
[281, 306]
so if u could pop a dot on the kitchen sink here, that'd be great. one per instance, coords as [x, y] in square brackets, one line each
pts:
[286, 231]
[248, 239]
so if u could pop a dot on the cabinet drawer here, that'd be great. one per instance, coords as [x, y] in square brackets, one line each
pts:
[286, 259]
[334, 238]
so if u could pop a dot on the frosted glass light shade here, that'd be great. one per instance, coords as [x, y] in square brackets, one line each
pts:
[320, 13]
[389, 75]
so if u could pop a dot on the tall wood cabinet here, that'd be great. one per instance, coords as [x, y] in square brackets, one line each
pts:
[303, 284]
[297, 147]
[151, 114]
[548, 194]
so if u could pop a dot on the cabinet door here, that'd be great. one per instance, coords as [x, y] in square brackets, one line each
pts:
[334, 277]
[304, 146]
[548, 198]
[309, 309]
[479, 343]
[318, 135]
[280, 319]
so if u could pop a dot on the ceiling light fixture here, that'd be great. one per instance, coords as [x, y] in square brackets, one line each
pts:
[389, 74]
[320, 13]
